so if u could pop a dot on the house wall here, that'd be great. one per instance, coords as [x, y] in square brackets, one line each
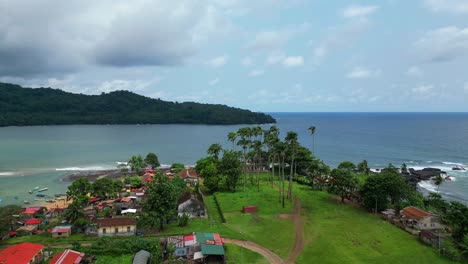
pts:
[38, 258]
[66, 234]
[430, 222]
[121, 231]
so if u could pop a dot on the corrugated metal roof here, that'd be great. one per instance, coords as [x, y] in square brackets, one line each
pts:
[141, 257]
[212, 250]
[203, 237]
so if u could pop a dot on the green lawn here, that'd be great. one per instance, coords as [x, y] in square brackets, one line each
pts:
[236, 254]
[263, 227]
[124, 259]
[338, 233]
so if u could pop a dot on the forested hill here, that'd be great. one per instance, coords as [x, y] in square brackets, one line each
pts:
[45, 106]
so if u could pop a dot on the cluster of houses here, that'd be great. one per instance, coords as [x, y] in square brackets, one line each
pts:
[427, 225]
[200, 248]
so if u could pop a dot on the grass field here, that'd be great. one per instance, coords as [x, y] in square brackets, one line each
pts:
[124, 259]
[236, 254]
[262, 227]
[338, 233]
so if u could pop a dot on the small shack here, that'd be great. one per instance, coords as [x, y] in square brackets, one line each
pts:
[61, 231]
[249, 209]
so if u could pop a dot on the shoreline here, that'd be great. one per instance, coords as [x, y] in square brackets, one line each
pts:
[93, 175]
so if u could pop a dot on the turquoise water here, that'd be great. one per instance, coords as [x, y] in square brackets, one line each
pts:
[40, 156]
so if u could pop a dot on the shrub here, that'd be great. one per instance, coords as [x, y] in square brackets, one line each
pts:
[183, 220]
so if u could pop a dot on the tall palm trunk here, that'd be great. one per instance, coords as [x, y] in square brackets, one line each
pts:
[291, 166]
[282, 181]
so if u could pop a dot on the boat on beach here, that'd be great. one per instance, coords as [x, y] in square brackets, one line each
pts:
[36, 188]
[40, 195]
[43, 189]
[39, 199]
[59, 195]
[26, 202]
[30, 191]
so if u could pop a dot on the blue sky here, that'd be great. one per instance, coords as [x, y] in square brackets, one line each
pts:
[264, 55]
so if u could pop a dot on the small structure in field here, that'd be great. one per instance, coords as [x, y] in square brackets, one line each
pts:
[249, 209]
[61, 231]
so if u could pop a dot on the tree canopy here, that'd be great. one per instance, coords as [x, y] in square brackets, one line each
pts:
[45, 106]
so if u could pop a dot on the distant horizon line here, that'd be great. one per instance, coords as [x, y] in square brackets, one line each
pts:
[362, 112]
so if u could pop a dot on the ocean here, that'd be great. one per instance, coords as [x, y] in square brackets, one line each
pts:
[42, 155]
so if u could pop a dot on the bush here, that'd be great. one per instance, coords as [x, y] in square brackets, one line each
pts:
[183, 220]
[223, 220]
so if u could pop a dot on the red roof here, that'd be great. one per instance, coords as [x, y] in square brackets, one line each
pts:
[19, 254]
[188, 173]
[414, 213]
[94, 199]
[188, 237]
[67, 257]
[32, 210]
[110, 222]
[33, 221]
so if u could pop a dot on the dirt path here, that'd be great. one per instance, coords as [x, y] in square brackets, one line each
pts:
[299, 232]
[270, 256]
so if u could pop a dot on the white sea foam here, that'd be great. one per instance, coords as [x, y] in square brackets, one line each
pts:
[428, 186]
[121, 163]
[453, 163]
[8, 173]
[90, 168]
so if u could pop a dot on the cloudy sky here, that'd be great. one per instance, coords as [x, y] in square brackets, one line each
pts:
[264, 55]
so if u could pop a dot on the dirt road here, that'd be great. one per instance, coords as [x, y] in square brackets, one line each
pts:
[299, 232]
[270, 256]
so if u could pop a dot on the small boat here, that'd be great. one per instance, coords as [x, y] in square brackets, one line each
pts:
[59, 195]
[30, 191]
[39, 199]
[36, 188]
[59, 198]
[43, 189]
[26, 202]
[40, 195]
[50, 201]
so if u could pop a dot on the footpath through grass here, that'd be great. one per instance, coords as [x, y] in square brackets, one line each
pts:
[237, 254]
[263, 228]
[340, 233]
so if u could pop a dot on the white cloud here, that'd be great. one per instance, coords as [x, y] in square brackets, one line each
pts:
[276, 39]
[256, 72]
[293, 61]
[362, 73]
[450, 6]
[359, 11]
[339, 38]
[443, 44]
[422, 89]
[218, 61]
[275, 58]
[213, 82]
[247, 61]
[415, 71]
[67, 37]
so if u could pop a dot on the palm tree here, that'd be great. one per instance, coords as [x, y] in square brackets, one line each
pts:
[312, 132]
[232, 136]
[74, 212]
[214, 150]
[136, 163]
[281, 148]
[291, 140]
[257, 145]
[271, 137]
[244, 133]
[438, 180]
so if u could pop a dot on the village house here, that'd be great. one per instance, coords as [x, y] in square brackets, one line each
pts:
[199, 247]
[116, 226]
[417, 218]
[189, 175]
[61, 231]
[192, 205]
[32, 212]
[24, 253]
[68, 257]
